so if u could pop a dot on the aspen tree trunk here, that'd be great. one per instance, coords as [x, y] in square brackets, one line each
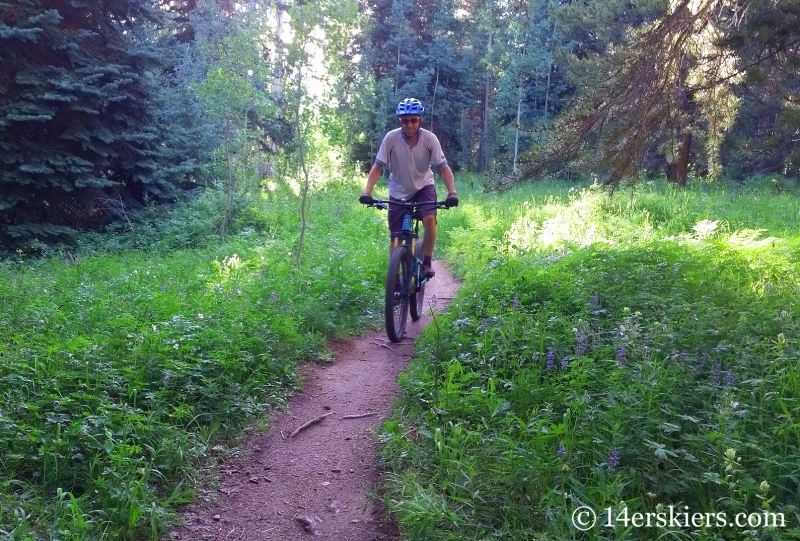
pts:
[277, 80]
[547, 90]
[433, 101]
[483, 164]
[306, 180]
[396, 67]
[226, 219]
[516, 126]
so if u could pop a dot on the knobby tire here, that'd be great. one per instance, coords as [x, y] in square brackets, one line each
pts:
[396, 305]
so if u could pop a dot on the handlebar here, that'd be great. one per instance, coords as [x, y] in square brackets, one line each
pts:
[381, 204]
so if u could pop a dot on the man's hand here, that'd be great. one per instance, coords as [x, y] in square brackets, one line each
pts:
[452, 200]
[366, 199]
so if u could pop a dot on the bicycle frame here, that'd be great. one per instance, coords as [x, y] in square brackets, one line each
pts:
[409, 234]
[406, 267]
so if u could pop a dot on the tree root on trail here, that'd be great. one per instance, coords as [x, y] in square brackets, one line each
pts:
[359, 416]
[309, 423]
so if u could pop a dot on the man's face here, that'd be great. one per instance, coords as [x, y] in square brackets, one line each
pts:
[410, 125]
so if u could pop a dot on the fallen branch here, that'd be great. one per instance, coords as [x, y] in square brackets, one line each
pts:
[309, 423]
[360, 415]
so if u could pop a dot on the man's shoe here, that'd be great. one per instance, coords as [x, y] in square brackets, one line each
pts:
[427, 271]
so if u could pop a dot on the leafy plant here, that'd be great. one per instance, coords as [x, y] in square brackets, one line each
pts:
[625, 353]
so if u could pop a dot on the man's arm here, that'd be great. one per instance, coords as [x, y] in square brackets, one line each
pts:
[448, 179]
[372, 178]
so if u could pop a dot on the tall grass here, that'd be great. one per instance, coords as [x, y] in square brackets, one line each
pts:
[124, 375]
[626, 354]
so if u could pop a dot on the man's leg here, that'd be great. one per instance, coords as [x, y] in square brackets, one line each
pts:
[428, 194]
[429, 223]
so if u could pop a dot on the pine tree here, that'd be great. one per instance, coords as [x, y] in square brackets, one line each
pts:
[77, 120]
[664, 84]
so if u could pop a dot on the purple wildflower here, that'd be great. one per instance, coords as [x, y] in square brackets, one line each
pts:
[701, 361]
[594, 302]
[515, 303]
[613, 460]
[622, 355]
[551, 359]
[562, 449]
[730, 379]
[564, 362]
[580, 347]
[716, 375]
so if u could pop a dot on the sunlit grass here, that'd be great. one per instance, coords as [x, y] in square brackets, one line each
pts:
[641, 348]
[125, 375]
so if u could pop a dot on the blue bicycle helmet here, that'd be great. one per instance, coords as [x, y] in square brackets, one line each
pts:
[410, 106]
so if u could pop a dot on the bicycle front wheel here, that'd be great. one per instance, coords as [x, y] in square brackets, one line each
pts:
[398, 280]
[418, 296]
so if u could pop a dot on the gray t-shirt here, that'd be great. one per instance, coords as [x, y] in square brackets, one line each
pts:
[409, 168]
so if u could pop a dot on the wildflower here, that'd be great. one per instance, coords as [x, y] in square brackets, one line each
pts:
[580, 348]
[613, 460]
[562, 449]
[564, 362]
[175, 345]
[622, 355]
[165, 379]
[594, 302]
[716, 375]
[729, 378]
[701, 361]
[515, 303]
[551, 359]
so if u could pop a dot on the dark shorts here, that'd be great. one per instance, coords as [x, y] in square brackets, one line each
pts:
[426, 194]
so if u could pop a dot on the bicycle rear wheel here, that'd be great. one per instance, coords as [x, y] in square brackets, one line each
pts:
[397, 294]
[418, 296]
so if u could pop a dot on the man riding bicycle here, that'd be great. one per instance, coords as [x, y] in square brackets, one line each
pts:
[412, 153]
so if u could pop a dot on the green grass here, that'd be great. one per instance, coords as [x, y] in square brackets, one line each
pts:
[124, 376]
[635, 352]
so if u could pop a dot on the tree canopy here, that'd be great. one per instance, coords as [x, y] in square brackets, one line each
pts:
[105, 108]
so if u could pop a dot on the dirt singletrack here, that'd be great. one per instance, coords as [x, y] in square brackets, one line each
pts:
[322, 482]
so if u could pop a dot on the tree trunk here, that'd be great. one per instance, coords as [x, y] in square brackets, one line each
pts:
[433, 100]
[516, 126]
[306, 179]
[277, 80]
[682, 167]
[396, 68]
[483, 159]
[226, 219]
[547, 90]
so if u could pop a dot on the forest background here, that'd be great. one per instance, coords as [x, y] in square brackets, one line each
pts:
[643, 347]
[106, 110]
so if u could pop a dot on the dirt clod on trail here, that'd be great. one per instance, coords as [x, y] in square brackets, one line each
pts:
[314, 473]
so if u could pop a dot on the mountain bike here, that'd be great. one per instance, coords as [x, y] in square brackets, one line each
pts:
[405, 287]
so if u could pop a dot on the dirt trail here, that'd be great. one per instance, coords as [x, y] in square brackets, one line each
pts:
[321, 483]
